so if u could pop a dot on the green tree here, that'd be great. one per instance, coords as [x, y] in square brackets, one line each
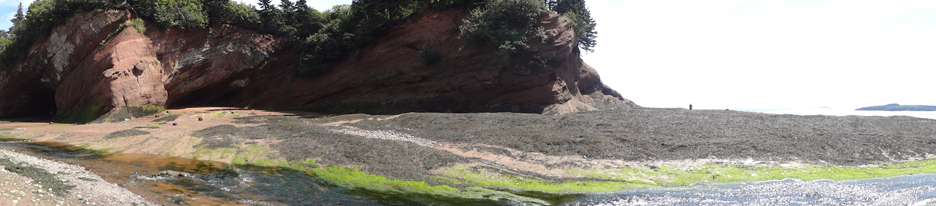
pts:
[5, 40]
[217, 11]
[308, 20]
[503, 24]
[17, 20]
[182, 14]
[271, 16]
[584, 24]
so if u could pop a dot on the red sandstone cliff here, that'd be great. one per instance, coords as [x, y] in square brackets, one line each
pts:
[79, 76]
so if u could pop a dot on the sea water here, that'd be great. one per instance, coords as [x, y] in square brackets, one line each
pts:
[842, 112]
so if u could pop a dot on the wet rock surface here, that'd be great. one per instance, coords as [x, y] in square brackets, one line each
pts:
[384, 153]
[409, 146]
[429, 147]
[678, 134]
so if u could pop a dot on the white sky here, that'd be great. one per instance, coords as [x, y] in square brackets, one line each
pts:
[8, 9]
[744, 54]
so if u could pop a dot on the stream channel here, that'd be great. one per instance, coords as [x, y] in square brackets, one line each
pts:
[185, 181]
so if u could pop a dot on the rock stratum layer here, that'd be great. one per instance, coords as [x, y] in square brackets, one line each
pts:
[90, 68]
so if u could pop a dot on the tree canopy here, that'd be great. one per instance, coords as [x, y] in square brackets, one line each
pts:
[323, 37]
[584, 24]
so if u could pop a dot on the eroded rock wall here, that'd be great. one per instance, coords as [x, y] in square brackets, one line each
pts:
[390, 77]
[88, 68]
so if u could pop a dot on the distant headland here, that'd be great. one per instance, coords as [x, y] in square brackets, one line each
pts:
[898, 107]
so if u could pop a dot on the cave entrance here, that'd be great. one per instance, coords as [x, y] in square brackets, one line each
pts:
[209, 96]
[37, 105]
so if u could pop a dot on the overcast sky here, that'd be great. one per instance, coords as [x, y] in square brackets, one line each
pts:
[745, 54]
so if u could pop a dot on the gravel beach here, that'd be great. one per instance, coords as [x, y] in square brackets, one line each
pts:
[26, 180]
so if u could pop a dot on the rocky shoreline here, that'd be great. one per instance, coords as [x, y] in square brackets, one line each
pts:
[585, 152]
[29, 180]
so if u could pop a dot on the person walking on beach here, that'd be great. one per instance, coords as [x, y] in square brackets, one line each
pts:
[690, 106]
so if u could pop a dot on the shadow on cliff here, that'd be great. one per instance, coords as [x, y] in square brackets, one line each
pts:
[131, 74]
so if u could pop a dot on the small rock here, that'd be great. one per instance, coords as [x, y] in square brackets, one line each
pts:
[199, 118]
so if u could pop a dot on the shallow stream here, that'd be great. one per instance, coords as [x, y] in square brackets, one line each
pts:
[185, 181]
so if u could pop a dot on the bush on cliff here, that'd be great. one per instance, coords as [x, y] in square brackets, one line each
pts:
[322, 37]
[182, 14]
[42, 16]
[584, 24]
[503, 24]
[5, 40]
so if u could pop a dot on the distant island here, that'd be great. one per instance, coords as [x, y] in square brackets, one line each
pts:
[898, 107]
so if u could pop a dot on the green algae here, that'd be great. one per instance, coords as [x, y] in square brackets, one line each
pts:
[354, 178]
[214, 114]
[667, 175]
[491, 183]
[251, 154]
[485, 183]
[102, 150]
[37, 175]
[631, 178]
[254, 154]
[487, 177]
[79, 114]
[215, 154]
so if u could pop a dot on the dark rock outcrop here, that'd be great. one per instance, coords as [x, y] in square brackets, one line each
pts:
[80, 72]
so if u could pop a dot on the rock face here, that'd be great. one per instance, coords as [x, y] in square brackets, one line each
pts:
[87, 68]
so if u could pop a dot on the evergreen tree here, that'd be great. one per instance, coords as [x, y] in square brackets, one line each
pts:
[302, 6]
[17, 20]
[271, 16]
[584, 24]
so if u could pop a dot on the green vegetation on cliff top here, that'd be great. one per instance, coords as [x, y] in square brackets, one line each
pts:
[322, 37]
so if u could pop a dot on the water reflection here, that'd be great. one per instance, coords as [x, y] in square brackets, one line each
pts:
[186, 181]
